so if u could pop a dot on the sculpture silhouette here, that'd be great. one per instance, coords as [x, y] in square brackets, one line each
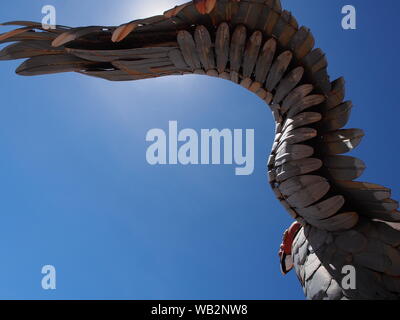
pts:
[261, 47]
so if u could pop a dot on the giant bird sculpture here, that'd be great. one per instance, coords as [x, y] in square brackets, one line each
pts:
[260, 46]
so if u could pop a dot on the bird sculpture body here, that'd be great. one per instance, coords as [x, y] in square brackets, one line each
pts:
[341, 224]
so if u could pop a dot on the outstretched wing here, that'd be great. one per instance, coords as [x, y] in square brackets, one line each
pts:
[261, 47]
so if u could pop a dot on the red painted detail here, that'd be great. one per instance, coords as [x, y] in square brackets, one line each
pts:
[288, 238]
[285, 249]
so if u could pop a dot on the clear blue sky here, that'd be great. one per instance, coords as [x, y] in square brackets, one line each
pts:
[77, 192]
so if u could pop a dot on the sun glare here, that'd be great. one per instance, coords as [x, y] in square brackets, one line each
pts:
[145, 9]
